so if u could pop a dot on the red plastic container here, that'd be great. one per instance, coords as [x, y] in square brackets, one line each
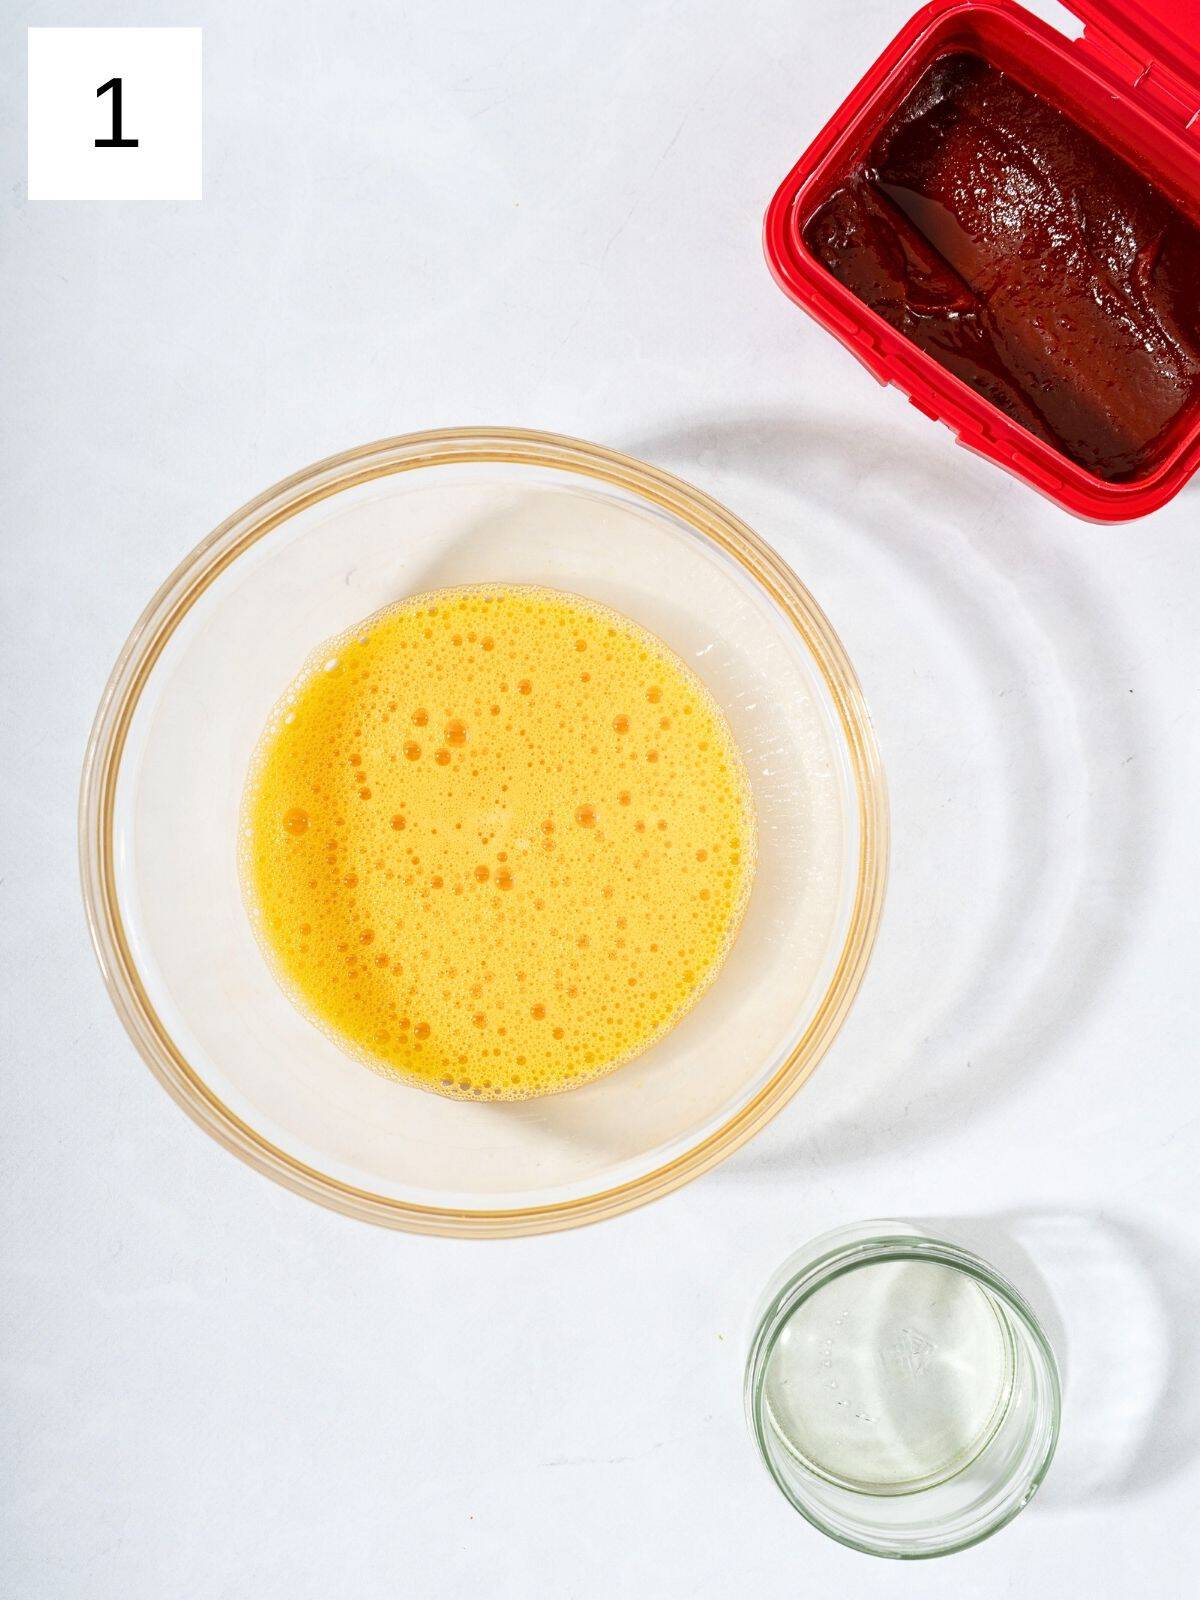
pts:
[1133, 82]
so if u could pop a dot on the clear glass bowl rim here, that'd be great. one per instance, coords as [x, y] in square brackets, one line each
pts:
[710, 521]
[850, 1256]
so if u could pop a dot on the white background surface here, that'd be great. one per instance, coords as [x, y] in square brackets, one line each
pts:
[546, 214]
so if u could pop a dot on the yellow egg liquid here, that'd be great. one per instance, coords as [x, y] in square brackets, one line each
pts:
[496, 841]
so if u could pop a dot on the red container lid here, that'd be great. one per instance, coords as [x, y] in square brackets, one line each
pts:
[1163, 35]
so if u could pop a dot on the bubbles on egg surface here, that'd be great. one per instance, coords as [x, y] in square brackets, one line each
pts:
[550, 904]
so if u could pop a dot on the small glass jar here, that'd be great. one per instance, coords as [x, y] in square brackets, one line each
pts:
[900, 1391]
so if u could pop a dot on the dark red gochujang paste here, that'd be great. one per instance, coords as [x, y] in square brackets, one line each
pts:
[1028, 259]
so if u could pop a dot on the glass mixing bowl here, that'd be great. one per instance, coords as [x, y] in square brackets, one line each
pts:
[193, 688]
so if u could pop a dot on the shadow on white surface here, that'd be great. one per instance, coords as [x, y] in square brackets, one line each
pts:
[1120, 1304]
[1024, 789]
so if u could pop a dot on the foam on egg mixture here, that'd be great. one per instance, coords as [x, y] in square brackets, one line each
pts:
[496, 841]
